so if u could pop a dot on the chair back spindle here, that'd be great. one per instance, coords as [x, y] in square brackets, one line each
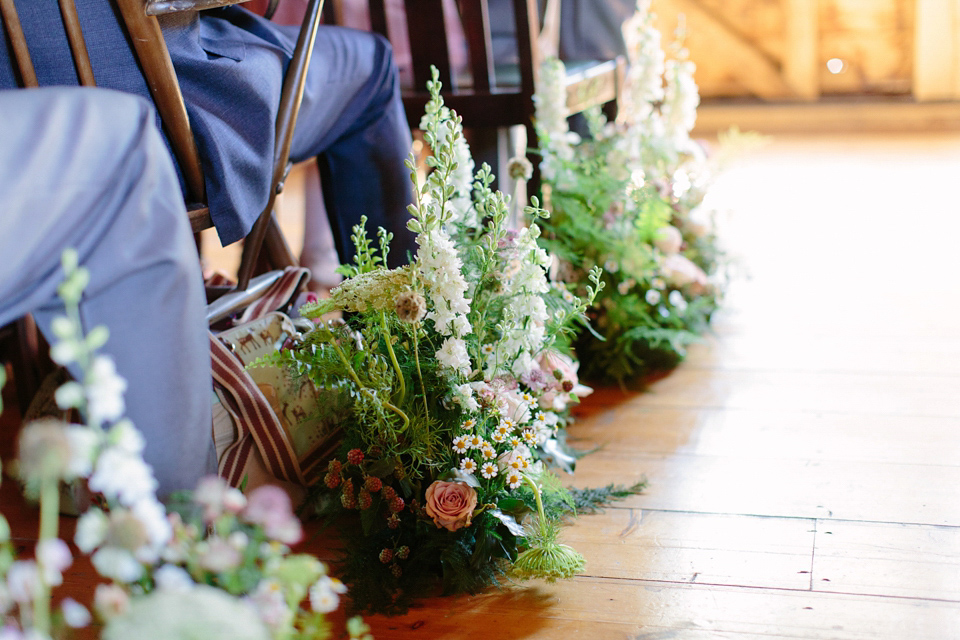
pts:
[476, 21]
[11, 20]
[81, 59]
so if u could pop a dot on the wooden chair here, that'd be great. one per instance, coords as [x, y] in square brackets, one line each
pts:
[491, 96]
[139, 20]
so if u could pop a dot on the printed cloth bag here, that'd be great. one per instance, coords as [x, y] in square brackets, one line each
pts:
[265, 423]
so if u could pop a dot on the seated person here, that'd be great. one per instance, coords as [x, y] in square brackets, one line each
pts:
[589, 29]
[230, 64]
[87, 169]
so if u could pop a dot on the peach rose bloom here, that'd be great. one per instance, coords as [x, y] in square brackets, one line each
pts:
[668, 240]
[450, 504]
[680, 272]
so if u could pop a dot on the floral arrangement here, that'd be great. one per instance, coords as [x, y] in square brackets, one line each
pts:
[216, 566]
[457, 383]
[629, 197]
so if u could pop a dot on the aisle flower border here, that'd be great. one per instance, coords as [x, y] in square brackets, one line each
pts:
[458, 380]
[628, 197]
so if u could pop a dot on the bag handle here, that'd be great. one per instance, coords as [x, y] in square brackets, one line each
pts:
[256, 423]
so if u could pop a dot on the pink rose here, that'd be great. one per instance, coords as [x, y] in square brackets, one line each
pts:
[668, 240]
[680, 272]
[450, 504]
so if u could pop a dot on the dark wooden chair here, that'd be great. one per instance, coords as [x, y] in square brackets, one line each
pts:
[139, 20]
[489, 96]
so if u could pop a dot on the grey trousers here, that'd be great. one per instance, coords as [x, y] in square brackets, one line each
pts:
[86, 168]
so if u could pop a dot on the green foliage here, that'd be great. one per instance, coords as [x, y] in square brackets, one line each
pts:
[429, 358]
[600, 218]
[592, 500]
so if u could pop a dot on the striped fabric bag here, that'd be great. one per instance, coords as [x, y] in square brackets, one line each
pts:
[265, 423]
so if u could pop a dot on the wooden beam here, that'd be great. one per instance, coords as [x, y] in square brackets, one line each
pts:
[936, 71]
[836, 116]
[755, 70]
[800, 61]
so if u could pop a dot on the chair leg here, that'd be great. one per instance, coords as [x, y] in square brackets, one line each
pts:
[533, 184]
[29, 360]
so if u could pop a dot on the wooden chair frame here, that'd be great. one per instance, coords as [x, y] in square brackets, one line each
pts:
[486, 103]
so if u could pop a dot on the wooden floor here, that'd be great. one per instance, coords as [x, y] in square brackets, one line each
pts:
[804, 462]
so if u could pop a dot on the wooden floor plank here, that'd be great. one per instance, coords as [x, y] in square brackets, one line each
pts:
[696, 548]
[888, 559]
[771, 433]
[903, 395]
[768, 351]
[878, 492]
[610, 608]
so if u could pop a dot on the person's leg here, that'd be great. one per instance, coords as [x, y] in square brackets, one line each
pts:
[319, 252]
[352, 114]
[88, 169]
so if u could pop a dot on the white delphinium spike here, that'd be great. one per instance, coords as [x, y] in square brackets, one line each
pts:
[438, 263]
[682, 96]
[643, 84]
[556, 139]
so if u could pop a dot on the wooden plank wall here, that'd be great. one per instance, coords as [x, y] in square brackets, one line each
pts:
[777, 50]
[937, 50]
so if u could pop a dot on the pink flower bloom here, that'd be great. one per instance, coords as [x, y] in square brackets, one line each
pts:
[218, 555]
[561, 371]
[54, 556]
[217, 498]
[668, 240]
[269, 506]
[450, 504]
[681, 273]
[110, 600]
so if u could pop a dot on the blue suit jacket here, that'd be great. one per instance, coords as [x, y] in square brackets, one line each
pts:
[230, 65]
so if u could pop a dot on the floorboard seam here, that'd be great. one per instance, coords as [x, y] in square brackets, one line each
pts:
[778, 517]
[813, 551]
[698, 585]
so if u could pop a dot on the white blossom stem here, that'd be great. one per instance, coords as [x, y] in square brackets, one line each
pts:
[416, 358]
[49, 525]
[388, 338]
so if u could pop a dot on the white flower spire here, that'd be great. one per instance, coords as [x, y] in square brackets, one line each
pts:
[556, 139]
